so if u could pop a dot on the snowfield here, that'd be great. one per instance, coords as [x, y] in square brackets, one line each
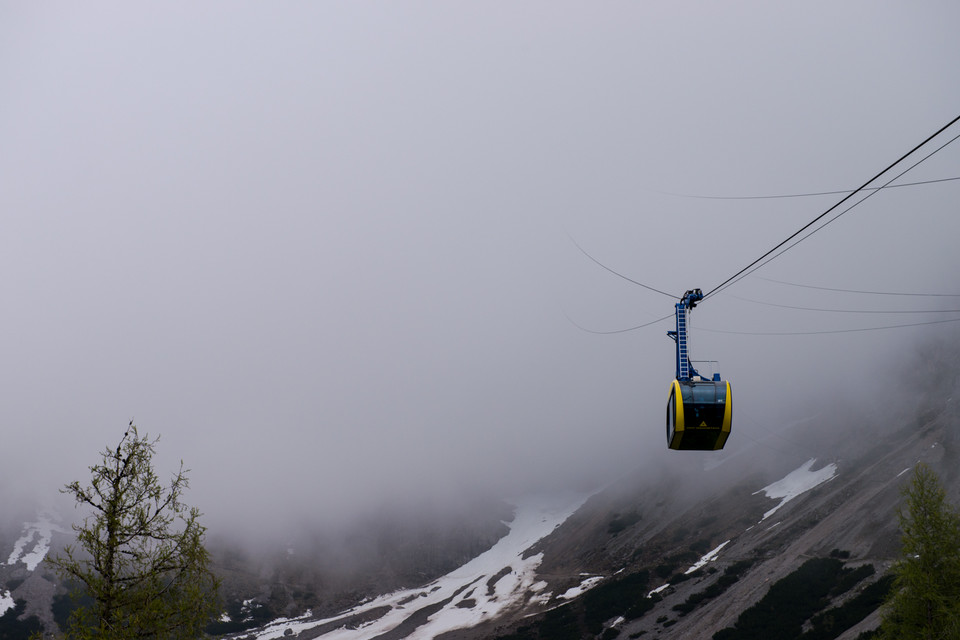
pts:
[798, 481]
[482, 589]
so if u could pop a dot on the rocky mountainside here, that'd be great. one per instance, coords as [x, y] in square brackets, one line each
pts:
[655, 534]
[698, 549]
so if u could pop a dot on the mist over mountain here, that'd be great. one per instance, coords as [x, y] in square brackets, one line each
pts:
[678, 547]
[325, 251]
[393, 282]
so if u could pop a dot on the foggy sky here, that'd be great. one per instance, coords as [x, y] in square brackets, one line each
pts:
[324, 250]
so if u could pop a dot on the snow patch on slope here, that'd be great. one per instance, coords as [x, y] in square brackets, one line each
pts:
[32, 547]
[709, 557]
[658, 590]
[478, 591]
[6, 602]
[586, 585]
[798, 481]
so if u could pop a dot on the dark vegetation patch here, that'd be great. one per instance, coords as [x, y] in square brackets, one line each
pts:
[492, 582]
[13, 629]
[62, 606]
[831, 623]
[730, 575]
[621, 597]
[665, 570]
[685, 557]
[800, 596]
[677, 578]
[561, 623]
[701, 546]
[242, 617]
[621, 522]
[789, 602]
[624, 596]
[65, 603]
[852, 577]
[416, 619]
[409, 599]
[670, 564]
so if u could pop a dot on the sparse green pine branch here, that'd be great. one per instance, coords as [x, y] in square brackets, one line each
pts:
[925, 600]
[147, 577]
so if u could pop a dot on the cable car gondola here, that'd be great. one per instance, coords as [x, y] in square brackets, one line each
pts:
[699, 411]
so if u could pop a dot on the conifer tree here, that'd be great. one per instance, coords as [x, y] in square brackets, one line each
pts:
[925, 600]
[140, 557]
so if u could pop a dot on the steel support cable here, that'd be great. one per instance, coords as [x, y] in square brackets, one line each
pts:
[828, 211]
[751, 268]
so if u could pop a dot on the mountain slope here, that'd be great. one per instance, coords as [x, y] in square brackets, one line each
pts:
[488, 587]
[851, 509]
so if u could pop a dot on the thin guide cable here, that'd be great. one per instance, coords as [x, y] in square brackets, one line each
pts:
[830, 210]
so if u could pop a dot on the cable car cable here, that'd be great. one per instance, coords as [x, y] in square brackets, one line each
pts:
[736, 279]
[815, 193]
[604, 333]
[584, 252]
[875, 293]
[766, 258]
[828, 211]
[788, 306]
[748, 270]
[816, 333]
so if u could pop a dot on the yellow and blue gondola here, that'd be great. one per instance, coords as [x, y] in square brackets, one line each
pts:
[699, 411]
